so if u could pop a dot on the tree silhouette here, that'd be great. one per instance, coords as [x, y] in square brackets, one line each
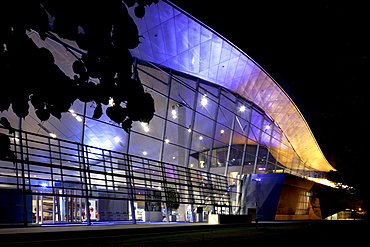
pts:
[105, 32]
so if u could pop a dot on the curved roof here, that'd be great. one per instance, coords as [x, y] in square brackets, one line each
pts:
[173, 38]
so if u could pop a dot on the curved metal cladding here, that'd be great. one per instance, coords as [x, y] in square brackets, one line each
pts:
[175, 39]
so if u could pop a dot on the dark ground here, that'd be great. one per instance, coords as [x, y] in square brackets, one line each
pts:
[339, 234]
[317, 233]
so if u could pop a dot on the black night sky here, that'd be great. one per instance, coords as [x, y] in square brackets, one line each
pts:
[318, 51]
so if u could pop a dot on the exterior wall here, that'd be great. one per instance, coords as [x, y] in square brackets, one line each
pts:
[287, 197]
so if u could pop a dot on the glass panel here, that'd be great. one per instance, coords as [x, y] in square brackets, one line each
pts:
[203, 130]
[225, 114]
[207, 101]
[222, 136]
[153, 78]
[183, 91]
[144, 146]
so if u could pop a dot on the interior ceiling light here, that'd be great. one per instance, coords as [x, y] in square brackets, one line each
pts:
[145, 152]
[117, 139]
[145, 126]
[111, 101]
[47, 131]
[78, 118]
[52, 135]
[167, 140]
[204, 100]
[174, 113]
[72, 112]
[242, 108]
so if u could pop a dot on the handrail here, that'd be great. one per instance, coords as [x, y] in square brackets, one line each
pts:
[53, 166]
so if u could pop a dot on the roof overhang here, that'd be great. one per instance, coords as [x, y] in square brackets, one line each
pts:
[175, 39]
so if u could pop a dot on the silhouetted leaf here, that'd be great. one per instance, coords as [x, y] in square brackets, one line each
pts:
[20, 108]
[86, 92]
[37, 102]
[5, 123]
[98, 112]
[105, 32]
[141, 108]
[127, 125]
[139, 11]
[116, 113]
[78, 67]
[42, 114]
[54, 111]
[4, 105]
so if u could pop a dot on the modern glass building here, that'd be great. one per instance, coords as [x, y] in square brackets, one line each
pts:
[219, 116]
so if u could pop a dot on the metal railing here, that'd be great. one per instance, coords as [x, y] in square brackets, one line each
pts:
[54, 167]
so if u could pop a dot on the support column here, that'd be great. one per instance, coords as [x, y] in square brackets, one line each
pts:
[209, 160]
[230, 139]
[24, 196]
[188, 150]
[85, 166]
[181, 135]
[163, 137]
[268, 148]
[246, 134]
[258, 147]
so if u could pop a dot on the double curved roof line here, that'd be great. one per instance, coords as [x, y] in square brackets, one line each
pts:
[175, 39]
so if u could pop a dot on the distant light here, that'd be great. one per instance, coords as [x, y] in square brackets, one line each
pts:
[145, 126]
[242, 108]
[173, 157]
[111, 101]
[16, 139]
[117, 139]
[145, 152]
[78, 118]
[44, 185]
[222, 131]
[73, 112]
[267, 127]
[52, 135]
[189, 130]
[200, 138]
[258, 180]
[204, 100]
[167, 140]
[323, 181]
[262, 169]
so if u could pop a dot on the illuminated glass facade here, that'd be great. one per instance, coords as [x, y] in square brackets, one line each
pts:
[218, 116]
[201, 125]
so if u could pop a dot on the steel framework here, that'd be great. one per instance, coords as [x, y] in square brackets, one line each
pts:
[46, 166]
